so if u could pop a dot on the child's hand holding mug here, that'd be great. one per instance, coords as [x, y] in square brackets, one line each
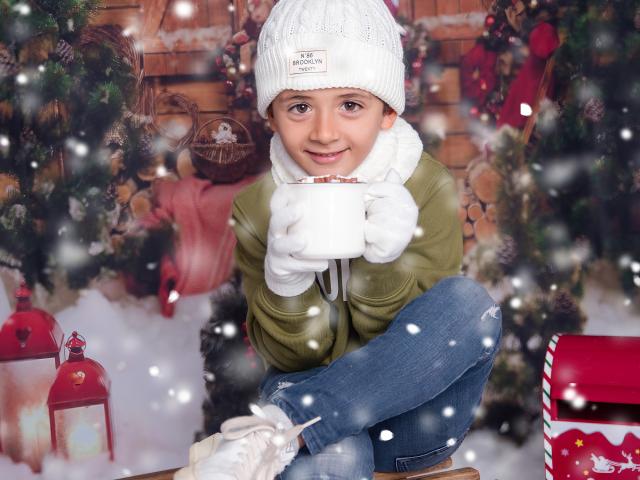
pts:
[392, 216]
[285, 274]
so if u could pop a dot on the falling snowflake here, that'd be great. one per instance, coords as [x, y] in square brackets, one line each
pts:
[71, 255]
[515, 303]
[184, 396]
[448, 411]
[626, 134]
[229, 330]
[525, 110]
[413, 329]
[183, 9]
[487, 342]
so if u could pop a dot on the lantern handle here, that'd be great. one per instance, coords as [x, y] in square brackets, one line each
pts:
[75, 344]
[23, 296]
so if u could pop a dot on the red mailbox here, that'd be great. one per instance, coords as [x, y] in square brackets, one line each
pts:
[591, 407]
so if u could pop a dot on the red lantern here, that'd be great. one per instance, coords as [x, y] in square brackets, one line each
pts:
[29, 339]
[78, 402]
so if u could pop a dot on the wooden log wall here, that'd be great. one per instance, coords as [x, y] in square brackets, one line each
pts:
[457, 150]
[477, 182]
[180, 64]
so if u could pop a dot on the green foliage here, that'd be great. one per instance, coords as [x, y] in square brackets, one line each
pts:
[598, 64]
[568, 198]
[65, 213]
[54, 83]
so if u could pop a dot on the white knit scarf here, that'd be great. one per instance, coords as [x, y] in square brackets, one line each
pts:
[399, 148]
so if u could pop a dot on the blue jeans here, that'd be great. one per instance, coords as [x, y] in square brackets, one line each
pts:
[402, 402]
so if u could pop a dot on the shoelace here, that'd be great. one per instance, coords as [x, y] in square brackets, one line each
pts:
[271, 462]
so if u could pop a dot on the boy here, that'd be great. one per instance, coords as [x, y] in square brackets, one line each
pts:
[378, 362]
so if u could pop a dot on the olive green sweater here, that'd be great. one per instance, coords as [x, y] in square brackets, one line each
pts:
[353, 301]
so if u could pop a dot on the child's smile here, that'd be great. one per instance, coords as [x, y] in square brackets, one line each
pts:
[326, 158]
[331, 130]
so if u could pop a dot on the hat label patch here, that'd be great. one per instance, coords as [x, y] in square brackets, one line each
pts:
[310, 61]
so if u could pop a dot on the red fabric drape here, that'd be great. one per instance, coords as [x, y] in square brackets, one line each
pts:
[203, 252]
[543, 41]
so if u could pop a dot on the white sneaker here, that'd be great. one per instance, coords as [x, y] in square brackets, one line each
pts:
[256, 447]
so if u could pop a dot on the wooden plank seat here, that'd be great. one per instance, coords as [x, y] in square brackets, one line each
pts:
[435, 472]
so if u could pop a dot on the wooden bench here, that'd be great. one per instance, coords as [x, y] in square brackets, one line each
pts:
[436, 472]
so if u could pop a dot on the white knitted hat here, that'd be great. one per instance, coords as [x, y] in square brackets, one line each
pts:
[310, 44]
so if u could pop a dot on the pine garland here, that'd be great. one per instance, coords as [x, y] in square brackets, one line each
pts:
[565, 200]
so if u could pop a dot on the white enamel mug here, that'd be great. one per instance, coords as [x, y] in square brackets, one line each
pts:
[332, 222]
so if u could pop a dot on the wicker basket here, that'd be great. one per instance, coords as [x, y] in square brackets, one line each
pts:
[187, 106]
[221, 162]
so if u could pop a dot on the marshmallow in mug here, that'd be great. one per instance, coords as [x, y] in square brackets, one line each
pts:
[333, 218]
[329, 179]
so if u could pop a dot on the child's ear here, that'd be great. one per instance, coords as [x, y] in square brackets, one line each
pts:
[271, 119]
[388, 118]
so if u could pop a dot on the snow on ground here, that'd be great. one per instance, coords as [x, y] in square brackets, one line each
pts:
[497, 458]
[157, 387]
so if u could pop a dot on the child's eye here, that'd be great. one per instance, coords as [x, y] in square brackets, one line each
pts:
[297, 106]
[354, 106]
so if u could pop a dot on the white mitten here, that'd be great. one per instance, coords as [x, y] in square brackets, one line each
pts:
[392, 215]
[286, 275]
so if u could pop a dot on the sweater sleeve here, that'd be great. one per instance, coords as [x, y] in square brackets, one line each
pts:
[377, 292]
[285, 331]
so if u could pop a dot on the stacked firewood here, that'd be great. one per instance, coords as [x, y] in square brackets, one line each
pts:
[477, 210]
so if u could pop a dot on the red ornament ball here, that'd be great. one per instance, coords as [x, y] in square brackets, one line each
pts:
[489, 21]
[230, 86]
[248, 92]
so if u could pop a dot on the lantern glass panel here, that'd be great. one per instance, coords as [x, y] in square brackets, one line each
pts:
[24, 416]
[81, 432]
